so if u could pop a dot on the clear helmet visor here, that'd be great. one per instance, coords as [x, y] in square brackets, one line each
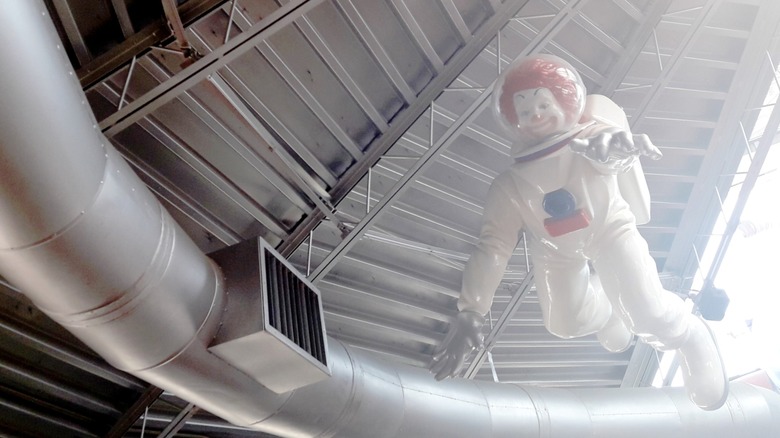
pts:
[537, 98]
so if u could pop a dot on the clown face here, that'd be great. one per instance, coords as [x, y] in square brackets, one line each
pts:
[535, 99]
[539, 116]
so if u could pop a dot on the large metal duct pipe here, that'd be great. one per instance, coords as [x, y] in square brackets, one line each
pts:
[84, 239]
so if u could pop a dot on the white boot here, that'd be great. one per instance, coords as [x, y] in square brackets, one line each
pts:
[702, 367]
[615, 336]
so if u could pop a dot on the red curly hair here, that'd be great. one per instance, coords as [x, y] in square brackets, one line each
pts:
[545, 71]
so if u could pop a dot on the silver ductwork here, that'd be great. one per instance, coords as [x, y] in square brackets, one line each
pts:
[87, 242]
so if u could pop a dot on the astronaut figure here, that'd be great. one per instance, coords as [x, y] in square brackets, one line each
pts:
[577, 189]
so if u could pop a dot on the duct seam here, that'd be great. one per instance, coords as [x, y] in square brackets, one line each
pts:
[352, 403]
[72, 223]
[489, 408]
[206, 327]
[540, 425]
[137, 292]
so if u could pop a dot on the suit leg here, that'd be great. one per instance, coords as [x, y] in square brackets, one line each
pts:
[571, 305]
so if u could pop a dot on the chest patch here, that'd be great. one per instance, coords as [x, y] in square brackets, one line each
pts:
[564, 216]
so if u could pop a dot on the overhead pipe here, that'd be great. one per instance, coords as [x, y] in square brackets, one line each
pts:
[171, 9]
[83, 238]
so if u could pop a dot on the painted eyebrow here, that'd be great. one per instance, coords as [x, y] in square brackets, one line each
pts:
[537, 90]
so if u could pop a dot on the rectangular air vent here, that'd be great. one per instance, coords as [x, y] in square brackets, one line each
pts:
[293, 306]
[273, 328]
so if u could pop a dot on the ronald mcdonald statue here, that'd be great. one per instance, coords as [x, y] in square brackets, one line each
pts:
[576, 187]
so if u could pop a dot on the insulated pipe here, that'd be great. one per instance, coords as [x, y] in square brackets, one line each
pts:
[86, 241]
[369, 397]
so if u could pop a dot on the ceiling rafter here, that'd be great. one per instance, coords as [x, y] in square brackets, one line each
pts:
[400, 124]
[563, 16]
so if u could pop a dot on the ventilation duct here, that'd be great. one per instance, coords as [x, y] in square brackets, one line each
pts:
[272, 309]
[82, 237]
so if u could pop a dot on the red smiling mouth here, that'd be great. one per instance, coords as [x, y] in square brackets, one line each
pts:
[541, 126]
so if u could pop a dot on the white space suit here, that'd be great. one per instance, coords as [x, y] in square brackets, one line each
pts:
[574, 210]
[572, 304]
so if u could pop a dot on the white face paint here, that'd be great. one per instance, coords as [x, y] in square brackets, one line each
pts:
[539, 116]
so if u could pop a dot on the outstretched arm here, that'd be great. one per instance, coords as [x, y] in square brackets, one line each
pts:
[614, 149]
[609, 143]
[501, 224]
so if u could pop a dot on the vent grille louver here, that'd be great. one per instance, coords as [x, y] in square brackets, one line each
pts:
[272, 328]
[292, 307]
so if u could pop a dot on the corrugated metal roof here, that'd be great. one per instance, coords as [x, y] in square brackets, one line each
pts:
[273, 133]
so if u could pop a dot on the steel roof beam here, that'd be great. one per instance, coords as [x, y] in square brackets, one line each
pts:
[376, 48]
[72, 31]
[316, 40]
[249, 96]
[48, 419]
[176, 198]
[424, 310]
[702, 205]
[672, 64]
[468, 117]
[208, 65]
[404, 120]
[433, 152]
[372, 265]
[286, 162]
[746, 188]
[199, 165]
[123, 17]
[126, 421]
[179, 421]
[630, 9]
[269, 170]
[415, 30]
[452, 160]
[452, 12]
[475, 132]
[65, 393]
[277, 62]
[433, 188]
[96, 70]
[452, 258]
[42, 343]
[633, 48]
[591, 28]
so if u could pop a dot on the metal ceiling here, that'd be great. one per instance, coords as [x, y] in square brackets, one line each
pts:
[355, 136]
